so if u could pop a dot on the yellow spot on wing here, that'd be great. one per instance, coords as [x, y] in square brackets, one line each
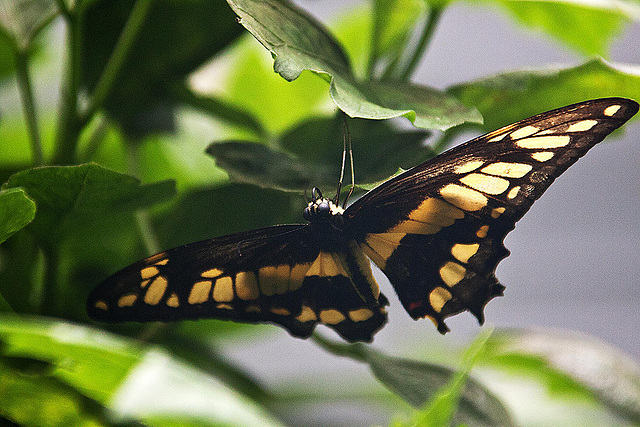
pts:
[199, 292]
[452, 273]
[281, 311]
[127, 300]
[438, 297]
[582, 126]
[496, 212]
[327, 265]
[364, 266]
[380, 246]
[274, 279]
[306, 315]
[437, 212]
[611, 110]
[224, 306]
[523, 132]
[173, 300]
[498, 138]
[464, 198]
[463, 252]
[414, 227]
[297, 275]
[508, 170]
[360, 315]
[214, 272]
[252, 309]
[149, 272]
[247, 285]
[469, 166]
[542, 156]
[482, 231]
[544, 142]
[102, 305]
[156, 290]
[331, 317]
[223, 289]
[486, 183]
[162, 262]
[513, 192]
[145, 283]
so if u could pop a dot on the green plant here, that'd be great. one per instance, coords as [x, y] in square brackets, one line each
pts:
[68, 219]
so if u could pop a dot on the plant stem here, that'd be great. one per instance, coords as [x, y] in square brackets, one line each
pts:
[68, 131]
[28, 106]
[117, 59]
[425, 37]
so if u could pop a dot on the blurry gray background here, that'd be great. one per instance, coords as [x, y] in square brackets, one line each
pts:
[575, 259]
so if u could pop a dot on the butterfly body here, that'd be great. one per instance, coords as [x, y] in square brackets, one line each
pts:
[436, 231]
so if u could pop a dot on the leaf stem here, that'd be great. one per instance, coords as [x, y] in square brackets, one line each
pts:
[28, 105]
[118, 56]
[68, 130]
[425, 38]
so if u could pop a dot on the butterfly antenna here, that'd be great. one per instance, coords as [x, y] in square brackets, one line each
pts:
[353, 179]
[336, 199]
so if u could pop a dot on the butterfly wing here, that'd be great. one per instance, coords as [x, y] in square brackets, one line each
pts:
[278, 274]
[437, 230]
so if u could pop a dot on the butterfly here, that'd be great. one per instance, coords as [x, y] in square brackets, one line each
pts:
[436, 231]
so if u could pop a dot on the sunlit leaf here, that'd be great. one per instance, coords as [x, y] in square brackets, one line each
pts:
[509, 97]
[298, 43]
[21, 20]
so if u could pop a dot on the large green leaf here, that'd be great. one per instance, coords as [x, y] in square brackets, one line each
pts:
[419, 382]
[311, 155]
[568, 362]
[75, 364]
[16, 211]
[175, 38]
[298, 43]
[587, 26]
[506, 98]
[63, 192]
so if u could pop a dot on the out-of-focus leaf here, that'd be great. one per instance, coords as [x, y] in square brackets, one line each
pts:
[313, 155]
[60, 192]
[509, 97]
[587, 26]
[16, 211]
[134, 383]
[394, 22]
[418, 382]
[7, 62]
[298, 43]
[570, 362]
[175, 38]
[21, 20]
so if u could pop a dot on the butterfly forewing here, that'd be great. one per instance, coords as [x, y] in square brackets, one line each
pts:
[437, 230]
[279, 274]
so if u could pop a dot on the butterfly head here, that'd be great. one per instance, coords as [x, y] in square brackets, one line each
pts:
[321, 208]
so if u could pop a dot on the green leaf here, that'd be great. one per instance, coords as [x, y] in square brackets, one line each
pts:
[16, 211]
[510, 97]
[588, 27]
[63, 192]
[298, 43]
[136, 384]
[571, 363]
[311, 155]
[7, 59]
[418, 382]
[176, 38]
[22, 20]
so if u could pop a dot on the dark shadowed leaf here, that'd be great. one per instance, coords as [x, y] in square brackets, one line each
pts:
[62, 192]
[16, 211]
[571, 362]
[175, 38]
[298, 42]
[419, 382]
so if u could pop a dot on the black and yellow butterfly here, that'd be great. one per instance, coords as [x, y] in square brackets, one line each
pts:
[436, 231]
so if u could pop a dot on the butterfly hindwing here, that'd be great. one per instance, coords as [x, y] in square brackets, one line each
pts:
[437, 230]
[278, 274]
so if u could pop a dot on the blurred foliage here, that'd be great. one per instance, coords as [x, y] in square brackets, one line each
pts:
[169, 114]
